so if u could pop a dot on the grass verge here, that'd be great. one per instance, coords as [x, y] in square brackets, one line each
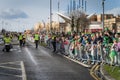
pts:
[113, 71]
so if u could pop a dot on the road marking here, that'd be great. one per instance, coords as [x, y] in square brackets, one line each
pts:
[11, 62]
[45, 52]
[10, 68]
[30, 55]
[92, 72]
[23, 71]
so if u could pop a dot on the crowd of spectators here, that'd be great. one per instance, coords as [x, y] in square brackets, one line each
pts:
[87, 48]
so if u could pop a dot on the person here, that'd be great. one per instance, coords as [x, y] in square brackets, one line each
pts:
[24, 39]
[113, 54]
[36, 38]
[54, 43]
[20, 38]
[7, 40]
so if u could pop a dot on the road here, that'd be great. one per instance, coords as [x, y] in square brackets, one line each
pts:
[38, 64]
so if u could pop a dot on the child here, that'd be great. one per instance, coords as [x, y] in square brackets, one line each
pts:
[87, 51]
[113, 53]
[99, 51]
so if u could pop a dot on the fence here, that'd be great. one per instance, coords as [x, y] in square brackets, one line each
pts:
[88, 54]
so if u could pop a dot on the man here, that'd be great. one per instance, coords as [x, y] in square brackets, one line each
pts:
[7, 40]
[54, 43]
[36, 38]
[20, 38]
[24, 39]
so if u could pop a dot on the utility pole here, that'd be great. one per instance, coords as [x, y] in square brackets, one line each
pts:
[103, 13]
[58, 16]
[85, 5]
[50, 15]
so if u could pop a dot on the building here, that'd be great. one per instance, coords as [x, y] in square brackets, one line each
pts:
[110, 21]
[113, 24]
[94, 27]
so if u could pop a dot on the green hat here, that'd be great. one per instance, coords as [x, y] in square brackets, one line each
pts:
[106, 29]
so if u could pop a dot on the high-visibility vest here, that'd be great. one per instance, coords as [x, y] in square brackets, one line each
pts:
[7, 39]
[20, 37]
[36, 37]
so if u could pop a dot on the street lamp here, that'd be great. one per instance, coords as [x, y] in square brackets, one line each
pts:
[58, 15]
[103, 13]
[50, 15]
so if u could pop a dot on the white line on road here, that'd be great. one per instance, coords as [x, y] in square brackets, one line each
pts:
[10, 68]
[23, 71]
[30, 55]
[44, 52]
[11, 63]
[23, 76]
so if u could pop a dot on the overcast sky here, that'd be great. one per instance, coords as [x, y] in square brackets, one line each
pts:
[23, 14]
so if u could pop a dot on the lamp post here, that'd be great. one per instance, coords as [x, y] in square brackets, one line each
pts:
[58, 15]
[103, 13]
[50, 15]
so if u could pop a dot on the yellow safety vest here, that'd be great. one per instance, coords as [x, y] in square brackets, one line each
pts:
[7, 39]
[36, 37]
[20, 37]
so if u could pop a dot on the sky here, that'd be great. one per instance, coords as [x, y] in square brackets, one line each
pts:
[18, 15]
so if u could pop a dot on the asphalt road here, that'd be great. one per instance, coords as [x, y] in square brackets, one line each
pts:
[39, 64]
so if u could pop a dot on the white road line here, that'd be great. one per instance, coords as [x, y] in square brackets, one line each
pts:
[45, 52]
[23, 76]
[30, 55]
[10, 68]
[11, 63]
[10, 75]
[23, 71]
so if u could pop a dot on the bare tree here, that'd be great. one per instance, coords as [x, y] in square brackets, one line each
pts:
[79, 21]
[72, 23]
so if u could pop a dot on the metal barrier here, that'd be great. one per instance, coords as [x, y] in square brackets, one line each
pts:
[85, 54]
